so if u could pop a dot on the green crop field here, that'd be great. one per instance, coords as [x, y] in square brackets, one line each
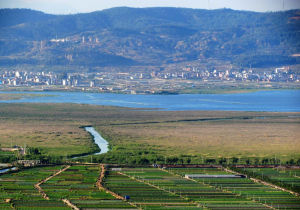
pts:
[203, 194]
[19, 188]
[145, 195]
[284, 177]
[78, 184]
[245, 188]
[145, 188]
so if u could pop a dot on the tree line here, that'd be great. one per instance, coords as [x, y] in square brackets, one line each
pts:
[143, 157]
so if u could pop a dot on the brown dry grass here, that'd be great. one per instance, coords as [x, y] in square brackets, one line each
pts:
[55, 127]
[224, 138]
[54, 137]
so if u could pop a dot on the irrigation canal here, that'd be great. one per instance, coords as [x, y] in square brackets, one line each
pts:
[2, 171]
[99, 140]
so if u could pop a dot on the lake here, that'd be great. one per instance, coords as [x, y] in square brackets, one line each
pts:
[274, 101]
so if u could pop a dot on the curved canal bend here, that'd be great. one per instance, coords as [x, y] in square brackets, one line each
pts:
[98, 139]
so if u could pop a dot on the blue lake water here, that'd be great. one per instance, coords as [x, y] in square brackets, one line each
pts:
[275, 101]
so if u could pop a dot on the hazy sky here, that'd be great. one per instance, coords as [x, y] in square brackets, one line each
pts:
[79, 6]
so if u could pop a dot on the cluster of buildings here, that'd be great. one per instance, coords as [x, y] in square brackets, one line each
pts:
[131, 81]
[283, 74]
[24, 78]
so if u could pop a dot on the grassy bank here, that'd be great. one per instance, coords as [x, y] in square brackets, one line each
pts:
[17, 96]
[152, 136]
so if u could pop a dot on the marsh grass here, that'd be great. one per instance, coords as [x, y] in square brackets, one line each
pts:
[57, 129]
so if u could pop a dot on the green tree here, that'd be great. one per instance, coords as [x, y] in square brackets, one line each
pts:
[222, 161]
[143, 161]
[248, 161]
[234, 160]
[210, 161]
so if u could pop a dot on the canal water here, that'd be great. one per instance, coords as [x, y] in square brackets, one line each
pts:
[2, 171]
[99, 140]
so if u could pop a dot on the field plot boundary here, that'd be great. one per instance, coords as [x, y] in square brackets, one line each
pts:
[191, 179]
[68, 203]
[101, 187]
[265, 183]
[173, 193]
[41, 191]
[38, 187]
[274, 186]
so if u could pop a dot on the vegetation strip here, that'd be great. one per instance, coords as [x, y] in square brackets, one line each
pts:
[266, 183]
[101, 187]
[195, 120]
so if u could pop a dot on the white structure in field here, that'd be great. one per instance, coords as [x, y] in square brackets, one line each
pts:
[199, 176]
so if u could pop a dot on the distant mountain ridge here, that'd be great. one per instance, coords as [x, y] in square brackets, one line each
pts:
[148, 36]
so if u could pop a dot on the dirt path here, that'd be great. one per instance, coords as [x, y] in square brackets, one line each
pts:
[68, 203]
[41, 191]
[38, 187]
[101, 187]
[265, 183]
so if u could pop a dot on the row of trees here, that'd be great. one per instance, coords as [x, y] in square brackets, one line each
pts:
[150, 158]
[143, 158]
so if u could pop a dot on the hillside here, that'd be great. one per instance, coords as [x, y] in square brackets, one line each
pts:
[124, 37]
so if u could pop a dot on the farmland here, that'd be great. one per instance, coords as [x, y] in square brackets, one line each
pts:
[17, 190]
[144, 188]
[285, 177]
[246, 188]
[145, 195]
[202, 194]
[78, 184]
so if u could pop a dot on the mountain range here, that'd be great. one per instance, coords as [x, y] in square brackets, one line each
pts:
[125, 37]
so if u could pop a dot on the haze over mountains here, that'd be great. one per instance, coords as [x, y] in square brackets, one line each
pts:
[124, 37]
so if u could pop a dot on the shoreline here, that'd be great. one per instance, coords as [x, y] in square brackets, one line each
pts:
[204, 91]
